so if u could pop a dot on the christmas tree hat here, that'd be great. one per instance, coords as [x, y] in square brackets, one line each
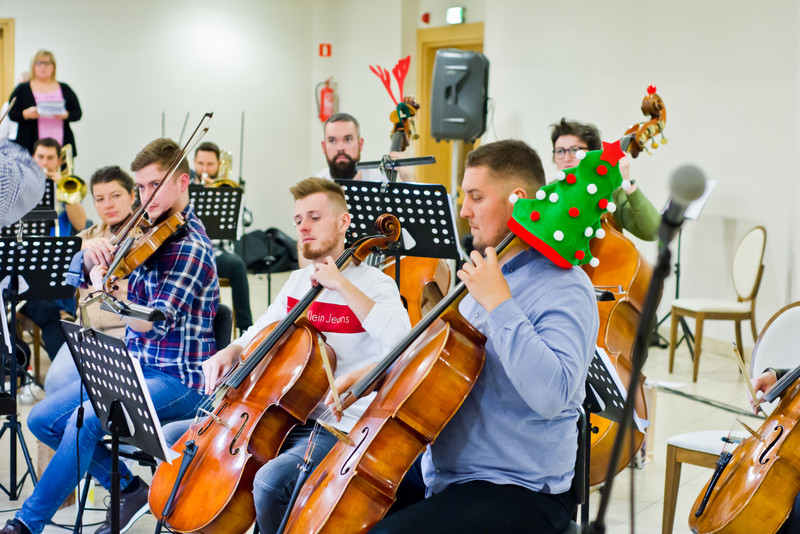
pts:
[565, 215]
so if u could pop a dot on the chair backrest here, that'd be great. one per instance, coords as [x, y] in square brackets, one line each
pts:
[748, 263]
[778, 345]
[222, 326]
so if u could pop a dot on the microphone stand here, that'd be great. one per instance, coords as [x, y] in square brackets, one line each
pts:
[639, 356]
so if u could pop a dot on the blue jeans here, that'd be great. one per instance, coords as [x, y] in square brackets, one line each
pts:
[274, 482]
[53, 421]
[62, 371]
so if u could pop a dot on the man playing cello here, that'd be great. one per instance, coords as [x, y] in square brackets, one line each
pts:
[505, 461]
[360, 313]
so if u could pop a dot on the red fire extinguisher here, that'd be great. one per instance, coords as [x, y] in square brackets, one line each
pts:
[325, 99]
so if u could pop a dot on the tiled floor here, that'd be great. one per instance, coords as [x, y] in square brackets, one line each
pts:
[719, 380]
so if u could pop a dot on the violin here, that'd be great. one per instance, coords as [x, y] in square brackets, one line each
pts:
[432, 371]
[423, 281]
[621, 266]
[754, 487]
[139, 238]
[281, 380]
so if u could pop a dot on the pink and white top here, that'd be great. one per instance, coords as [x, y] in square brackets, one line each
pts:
[50, 126]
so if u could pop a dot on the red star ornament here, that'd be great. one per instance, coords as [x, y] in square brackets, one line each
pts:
[612, 153]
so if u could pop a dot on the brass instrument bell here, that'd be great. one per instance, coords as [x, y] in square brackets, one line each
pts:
[70, 189]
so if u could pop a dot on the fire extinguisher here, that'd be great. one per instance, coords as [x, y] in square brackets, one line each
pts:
[325, 99]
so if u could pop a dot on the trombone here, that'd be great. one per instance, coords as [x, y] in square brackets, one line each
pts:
[70, 189]
[225, 170]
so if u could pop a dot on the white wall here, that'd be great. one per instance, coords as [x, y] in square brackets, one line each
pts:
[130, 61]
[727, 72]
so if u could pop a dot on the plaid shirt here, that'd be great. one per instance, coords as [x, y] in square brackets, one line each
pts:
[21, 182]
[181, 281]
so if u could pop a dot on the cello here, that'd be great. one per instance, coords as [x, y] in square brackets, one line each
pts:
[753, 488]
[432, 371]
[423, 281]
[280, 381]
[622, 266]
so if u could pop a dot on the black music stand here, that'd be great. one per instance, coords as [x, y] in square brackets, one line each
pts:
[605, 397]
[118, 392]
[41, 262]
[219, 209]
[41, 220]
[426, 218]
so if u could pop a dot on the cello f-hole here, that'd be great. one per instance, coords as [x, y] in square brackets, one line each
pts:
[365, 434]
[211, 420]
[762, 459]
[246, 417]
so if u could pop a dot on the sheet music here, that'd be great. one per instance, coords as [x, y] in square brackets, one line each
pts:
[641, 424]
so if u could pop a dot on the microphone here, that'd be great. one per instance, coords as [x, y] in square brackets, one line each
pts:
[686, 184]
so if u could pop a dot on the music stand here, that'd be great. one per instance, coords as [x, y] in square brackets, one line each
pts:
[118, 392]
[219, 209]
[692, 213]
[41, 220]
[605, 397]
[41, 262]
[428, 224]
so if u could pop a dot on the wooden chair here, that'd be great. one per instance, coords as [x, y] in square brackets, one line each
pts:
[748, 268]
[777, 346]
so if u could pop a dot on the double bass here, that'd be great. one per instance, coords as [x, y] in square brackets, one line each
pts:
[622, 266]
[280, 381]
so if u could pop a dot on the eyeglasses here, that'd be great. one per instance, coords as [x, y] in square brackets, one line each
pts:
[561, 153]
[43, 63]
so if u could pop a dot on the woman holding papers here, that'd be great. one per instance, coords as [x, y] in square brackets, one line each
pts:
[44, 106]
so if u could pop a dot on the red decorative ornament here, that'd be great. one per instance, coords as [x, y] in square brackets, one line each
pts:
[602, 170]
[579, 255]
[573, 212]
[651, 89]
[571, 179]
[535, 216]
[603, 204]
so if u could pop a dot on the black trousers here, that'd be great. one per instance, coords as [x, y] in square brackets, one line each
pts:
[482, 507]
[233, 268]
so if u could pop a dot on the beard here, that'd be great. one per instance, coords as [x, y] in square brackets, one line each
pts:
[318, 249]
[342, 170]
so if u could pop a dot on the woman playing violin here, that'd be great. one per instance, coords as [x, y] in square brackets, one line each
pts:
[179, 280]
[635, 212]
[360, 313]
[112, 190]
[505, 461]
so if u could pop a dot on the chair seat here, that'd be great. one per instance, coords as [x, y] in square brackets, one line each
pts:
[711, 305]
[708, 441]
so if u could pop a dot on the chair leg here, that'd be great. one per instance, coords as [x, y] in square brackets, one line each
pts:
[671, 483]
[738, 329]
[698, 344]
[673, 337]
[753, 326]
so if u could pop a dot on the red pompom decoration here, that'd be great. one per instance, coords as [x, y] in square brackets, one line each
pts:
[603, 204]
[573, 212]
[579, 255]
[535, 216]
[571, 178]
[602, 170]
